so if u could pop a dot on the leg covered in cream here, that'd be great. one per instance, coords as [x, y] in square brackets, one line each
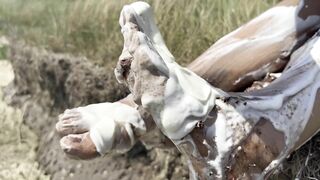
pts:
[215, 128]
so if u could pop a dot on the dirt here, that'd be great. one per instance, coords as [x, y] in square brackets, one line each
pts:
[45, 84]
[17, 142]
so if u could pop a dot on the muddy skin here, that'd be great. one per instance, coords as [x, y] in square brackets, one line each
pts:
[309, 8]
[256, 152]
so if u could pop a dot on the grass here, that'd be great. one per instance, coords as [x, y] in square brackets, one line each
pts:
[3, 53]
[3, 48]
[90, 27]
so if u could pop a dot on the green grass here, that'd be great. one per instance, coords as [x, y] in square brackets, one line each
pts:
[3, 53]
[90, 27]
[3, 47]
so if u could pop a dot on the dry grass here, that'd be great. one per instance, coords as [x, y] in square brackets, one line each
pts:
[90, 27]
[302, 164]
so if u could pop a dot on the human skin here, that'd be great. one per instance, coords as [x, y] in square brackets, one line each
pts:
[219, 66]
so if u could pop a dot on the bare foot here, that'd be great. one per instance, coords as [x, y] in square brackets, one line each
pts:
[79, 146]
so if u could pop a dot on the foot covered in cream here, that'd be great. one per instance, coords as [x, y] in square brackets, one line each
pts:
[74, 121]
[74, 125]
[99, 128]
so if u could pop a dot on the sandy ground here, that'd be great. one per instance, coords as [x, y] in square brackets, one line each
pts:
[17, 142]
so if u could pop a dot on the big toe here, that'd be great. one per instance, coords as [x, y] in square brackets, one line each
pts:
[79, 146]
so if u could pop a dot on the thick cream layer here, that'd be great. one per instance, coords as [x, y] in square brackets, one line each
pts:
[105, 121]
[188, 98]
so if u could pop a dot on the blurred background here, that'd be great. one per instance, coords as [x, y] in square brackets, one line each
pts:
[61, 54]
[90, 27]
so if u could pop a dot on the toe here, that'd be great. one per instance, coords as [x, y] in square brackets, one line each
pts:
[70, 144]
[79, 146]
[74, 138]
[71, 122]
[70, 127]
[66, 144]
[70, 114]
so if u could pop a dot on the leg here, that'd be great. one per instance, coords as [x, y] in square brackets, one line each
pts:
[222, 65]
